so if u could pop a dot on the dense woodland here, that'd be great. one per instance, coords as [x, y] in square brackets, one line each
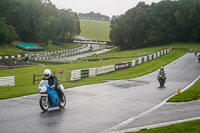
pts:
[35, 21]
[157, 24]
[94, 16]
[142, 26]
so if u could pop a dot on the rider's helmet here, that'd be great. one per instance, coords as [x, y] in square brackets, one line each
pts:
[47, 73]
[162, 68]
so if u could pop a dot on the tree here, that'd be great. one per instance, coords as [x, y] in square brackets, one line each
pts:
[7, 33]
[163, 22]
[39, 20]
[162, 28]
[128, 31]
[117, 29]
[188, 20]
[137, 20]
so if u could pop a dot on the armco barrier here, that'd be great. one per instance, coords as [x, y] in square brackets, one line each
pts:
[140, 60]
[120, 66]
[133, 63]
[105, 69]
[7, 81]
[92, 72]
[128, 64]
[45, 55]
[150, 57]
[136, 62]
[158, 54]
[75, 75]
[145, 58]
[110, 68]
[84, 73]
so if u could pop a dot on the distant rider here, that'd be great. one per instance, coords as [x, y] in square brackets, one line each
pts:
[162, 72]
[195, 53]
[52, 81]
[199, 58]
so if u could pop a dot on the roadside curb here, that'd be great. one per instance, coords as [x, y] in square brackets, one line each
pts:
[155, 125]
[115, 128]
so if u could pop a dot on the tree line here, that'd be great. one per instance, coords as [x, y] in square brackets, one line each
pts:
[36, 21]
[160, 23]
[94, 16]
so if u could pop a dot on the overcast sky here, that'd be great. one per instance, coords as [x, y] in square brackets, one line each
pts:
[105, 7]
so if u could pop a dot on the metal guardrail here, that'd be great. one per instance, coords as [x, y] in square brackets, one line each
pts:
[35, 76]
[7, 81]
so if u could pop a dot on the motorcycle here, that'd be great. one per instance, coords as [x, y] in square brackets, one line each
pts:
[199, 58]
[49, 97]
[161, 78]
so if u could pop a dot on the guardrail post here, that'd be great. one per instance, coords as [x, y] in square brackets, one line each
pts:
[33, 79]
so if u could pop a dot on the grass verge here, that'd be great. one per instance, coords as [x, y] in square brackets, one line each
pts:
[193, 93]
[186, 127]
[11, 50]
[24, 76]
[133, 72]
[52, 47]
[95, 30]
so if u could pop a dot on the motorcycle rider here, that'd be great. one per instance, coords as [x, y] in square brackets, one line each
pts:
[161, 77]
[195, 53]
[52, 81]
[162, 72]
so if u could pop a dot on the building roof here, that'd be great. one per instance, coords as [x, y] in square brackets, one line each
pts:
[29, 47]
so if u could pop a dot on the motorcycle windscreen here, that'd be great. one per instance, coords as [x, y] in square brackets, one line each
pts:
[43, 82]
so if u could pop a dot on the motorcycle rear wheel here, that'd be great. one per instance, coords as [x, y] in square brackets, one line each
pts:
[161, 83]
[43, 105]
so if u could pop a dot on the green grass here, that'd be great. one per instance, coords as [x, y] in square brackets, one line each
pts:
[193, 93]
[133, 72]
[52, 47]
[127, 54]
[186, 127]
[95, 30]
[144, 51]
[11, 50]
[188, 46]
[24, 76]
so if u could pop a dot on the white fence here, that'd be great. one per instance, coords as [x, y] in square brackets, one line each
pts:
[75, 75]
[105, 69]
[7, 81]
[48, 55]
[92, 72]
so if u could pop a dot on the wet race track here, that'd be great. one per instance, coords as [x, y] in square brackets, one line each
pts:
[97, 108]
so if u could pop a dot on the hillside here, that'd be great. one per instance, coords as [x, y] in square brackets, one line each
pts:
[95, 30]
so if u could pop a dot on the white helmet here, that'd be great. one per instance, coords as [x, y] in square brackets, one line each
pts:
[47, 73]
[162, 68]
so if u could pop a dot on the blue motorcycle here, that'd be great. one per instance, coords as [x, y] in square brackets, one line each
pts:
[49, 97]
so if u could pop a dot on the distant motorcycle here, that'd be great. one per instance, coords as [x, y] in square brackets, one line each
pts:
[161, 78]
[199, 58]
[49, 97]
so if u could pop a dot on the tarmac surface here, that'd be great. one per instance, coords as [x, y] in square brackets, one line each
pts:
[169, 113]
[76, 57]
[102, 107]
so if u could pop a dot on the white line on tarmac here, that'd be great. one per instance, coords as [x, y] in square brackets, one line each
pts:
[117, 127]
[155, 126]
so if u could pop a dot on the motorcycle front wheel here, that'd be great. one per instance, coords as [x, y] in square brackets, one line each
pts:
[43, 104]
[62, 101]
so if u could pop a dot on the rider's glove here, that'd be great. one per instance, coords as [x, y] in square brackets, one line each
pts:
[53, 86]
